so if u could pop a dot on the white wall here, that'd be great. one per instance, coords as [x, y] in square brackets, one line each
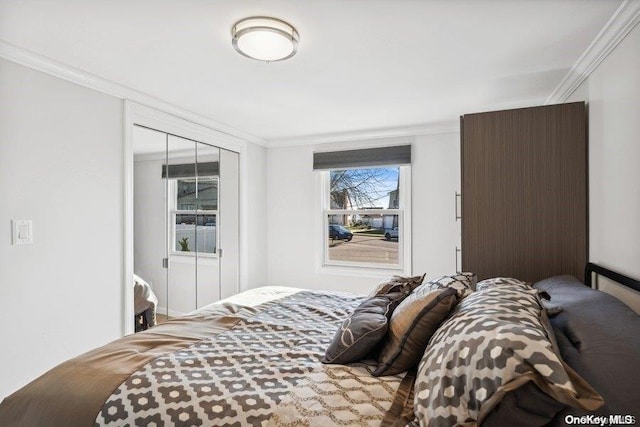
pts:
[293, 210]
[436, 178]
[612, 92]
[61, 165]
[253, 228]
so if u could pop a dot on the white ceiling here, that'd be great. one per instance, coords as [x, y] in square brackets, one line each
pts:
[362, 65]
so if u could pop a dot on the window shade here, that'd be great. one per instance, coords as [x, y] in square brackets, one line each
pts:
[382, 156]
[188, 170]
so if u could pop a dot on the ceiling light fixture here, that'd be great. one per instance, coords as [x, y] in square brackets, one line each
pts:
[265, 39]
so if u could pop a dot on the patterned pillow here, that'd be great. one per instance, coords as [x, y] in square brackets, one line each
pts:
[463, 283]
[360, 333]
[493, 343]
[501, 281]
[396, 282]
[412, 324]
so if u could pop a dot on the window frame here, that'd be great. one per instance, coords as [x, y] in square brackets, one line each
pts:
[174, 211]
[325, 265]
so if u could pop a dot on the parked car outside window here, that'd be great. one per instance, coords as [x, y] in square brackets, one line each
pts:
[391, 233]
[339, 232]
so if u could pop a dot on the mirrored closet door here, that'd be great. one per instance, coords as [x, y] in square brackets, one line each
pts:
[185, 220]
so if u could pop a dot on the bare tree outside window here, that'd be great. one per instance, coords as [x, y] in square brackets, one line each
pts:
[363, 188]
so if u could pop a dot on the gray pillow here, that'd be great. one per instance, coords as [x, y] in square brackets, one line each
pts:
[360, 333]
[501, 281]
[463, 283]
[394, 283]
[412, 324]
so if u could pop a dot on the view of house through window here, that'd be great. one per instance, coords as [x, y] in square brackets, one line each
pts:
[195, 218]
[363, 224]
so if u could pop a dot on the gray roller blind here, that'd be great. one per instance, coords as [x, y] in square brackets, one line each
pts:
[382, 156]
[188, 170]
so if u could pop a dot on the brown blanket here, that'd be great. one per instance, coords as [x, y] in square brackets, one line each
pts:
[249, 363]
[72, 393]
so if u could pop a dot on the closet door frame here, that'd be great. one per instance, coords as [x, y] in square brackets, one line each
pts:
[142, 115]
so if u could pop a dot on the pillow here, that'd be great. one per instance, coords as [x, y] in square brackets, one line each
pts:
[395, 282]
[501, 281]
[412, 324]
[551, 309]
[494, 343]
[360, 333]
[463, 283]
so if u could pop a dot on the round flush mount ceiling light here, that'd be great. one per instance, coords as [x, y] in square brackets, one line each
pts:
[265, 39]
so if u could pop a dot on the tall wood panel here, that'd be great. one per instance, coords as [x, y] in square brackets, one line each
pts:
[524, 192]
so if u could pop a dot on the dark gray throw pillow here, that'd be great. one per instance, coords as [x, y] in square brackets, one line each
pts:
[359, 334]
[396, 283]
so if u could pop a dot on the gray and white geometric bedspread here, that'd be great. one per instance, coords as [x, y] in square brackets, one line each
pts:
[268, 363]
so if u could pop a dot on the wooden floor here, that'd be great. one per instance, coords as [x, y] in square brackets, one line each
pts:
[161, 318]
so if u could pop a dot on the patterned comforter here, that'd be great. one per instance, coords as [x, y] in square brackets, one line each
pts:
[241, 362]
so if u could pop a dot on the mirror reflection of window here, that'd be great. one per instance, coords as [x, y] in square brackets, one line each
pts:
[196, 211]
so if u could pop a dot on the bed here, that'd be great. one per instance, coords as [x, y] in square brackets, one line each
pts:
[599, 337]
[256, 359]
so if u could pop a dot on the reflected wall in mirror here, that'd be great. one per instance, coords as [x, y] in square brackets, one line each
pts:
[149, 212]
[177, 220]
[178, 173]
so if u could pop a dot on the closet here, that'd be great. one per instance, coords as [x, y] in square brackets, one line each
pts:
[524, 192]
[186, 230]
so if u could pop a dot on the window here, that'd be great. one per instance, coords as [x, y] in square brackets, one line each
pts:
[194, 215]
[364, 216]
[366, 205]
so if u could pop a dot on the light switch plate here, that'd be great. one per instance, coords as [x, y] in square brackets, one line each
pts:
[22, 231]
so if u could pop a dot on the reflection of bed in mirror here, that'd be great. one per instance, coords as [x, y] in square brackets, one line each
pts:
[145, 304]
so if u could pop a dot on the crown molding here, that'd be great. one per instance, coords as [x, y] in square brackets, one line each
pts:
[425, 129]
[619, 25]
[163, 122]
[63, 71]
[66, 72]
